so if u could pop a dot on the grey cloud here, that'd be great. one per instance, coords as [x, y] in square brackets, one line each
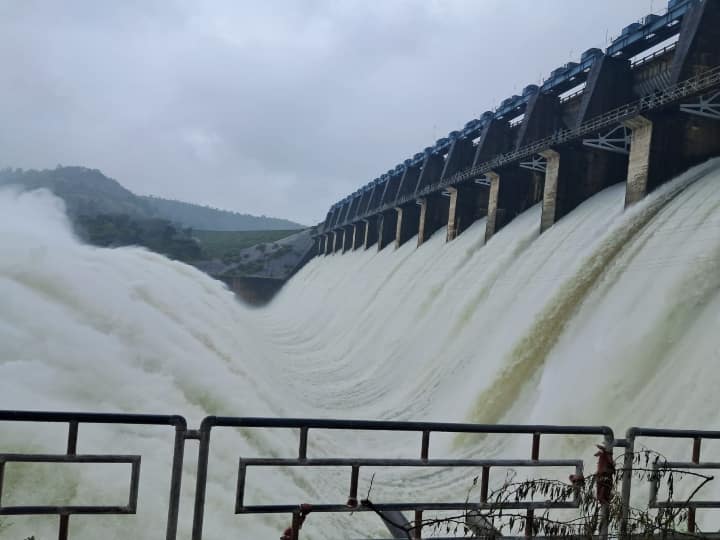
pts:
[275, 108]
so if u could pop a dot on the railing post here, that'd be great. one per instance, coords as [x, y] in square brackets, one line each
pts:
[627, 473]
[71, 451]
[175, 482]
[296, 524]
[201, 482]
[417, 531]
[425, 447]
[352, 499]
[697, 441]
[535, 447]
[529, 518]
[605, 509]
[484, 482]
[302, 449]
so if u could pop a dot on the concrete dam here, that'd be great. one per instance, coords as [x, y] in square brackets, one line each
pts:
[418, 378]
[642, 111]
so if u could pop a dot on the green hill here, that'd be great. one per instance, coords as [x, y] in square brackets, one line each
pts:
[86, 192]
[212, 219]
[221, 243]
[226, 245]
[89, 193]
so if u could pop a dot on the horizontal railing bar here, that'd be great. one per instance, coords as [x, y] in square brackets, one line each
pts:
[92, 418]
[380, 462]
[685, 504]
[645, 59]
[330, 508]
[64, 458]
[672, 433]
[380, 425]
[64, 510]
[687, 465]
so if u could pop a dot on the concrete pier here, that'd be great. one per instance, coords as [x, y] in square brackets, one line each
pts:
[663, 145]
[575, 174]
[358, 234]
[468, 203]
[337, 240]
[491, 226]
[433, 215]
[371, 234]
[642, 152]
[408, 222]
[387, 228]
[512, 191]
[328, 243]
[348, 238]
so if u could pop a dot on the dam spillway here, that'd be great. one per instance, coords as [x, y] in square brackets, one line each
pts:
[565, 328]
[632, 113]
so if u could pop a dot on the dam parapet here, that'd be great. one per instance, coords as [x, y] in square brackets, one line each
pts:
[642, 111]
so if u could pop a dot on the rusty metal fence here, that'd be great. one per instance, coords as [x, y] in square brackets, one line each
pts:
[305, 428]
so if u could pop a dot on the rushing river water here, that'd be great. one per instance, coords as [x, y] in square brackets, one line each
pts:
[611, 317]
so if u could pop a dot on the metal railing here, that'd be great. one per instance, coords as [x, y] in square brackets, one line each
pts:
[652, 102]
[74, 421]
[656, 54]
[631, 437]
[354, 465]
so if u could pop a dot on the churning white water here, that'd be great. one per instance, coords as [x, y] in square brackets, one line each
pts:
[610, 317]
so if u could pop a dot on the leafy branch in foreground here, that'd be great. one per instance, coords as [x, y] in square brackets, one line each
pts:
[598, 504]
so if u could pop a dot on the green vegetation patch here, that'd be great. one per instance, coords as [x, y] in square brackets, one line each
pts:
[158, 235]
[226, 245]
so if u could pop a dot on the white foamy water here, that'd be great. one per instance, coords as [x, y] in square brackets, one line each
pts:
[610, 317]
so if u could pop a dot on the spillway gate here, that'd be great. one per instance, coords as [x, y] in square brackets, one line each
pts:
[305, 427]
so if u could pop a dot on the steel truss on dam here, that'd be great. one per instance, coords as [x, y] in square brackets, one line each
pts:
[614, 115]
[525, 509]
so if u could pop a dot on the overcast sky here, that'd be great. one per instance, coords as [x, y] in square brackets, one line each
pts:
[269, 107]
